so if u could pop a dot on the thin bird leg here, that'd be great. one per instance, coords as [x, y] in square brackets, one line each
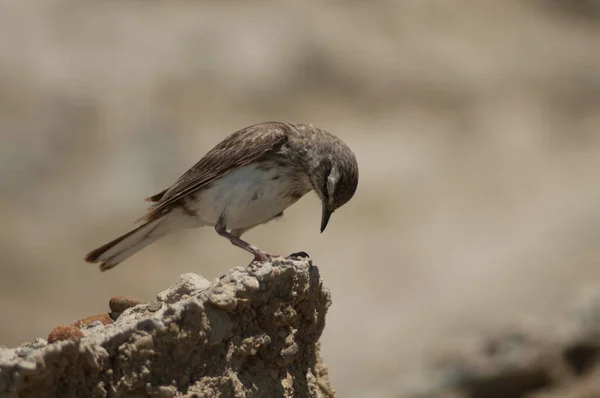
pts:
[259, 255]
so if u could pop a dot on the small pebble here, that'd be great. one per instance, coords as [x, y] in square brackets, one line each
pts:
[65, 332]
[121, 303]
[39, 342]
[154, 306]
[104, 319]
[166, 392]
[187, 285]
[223, 296]
[251, 284]
[144, 343]
[288, 354]
[291, 350]
[174, 328]
[223, 301]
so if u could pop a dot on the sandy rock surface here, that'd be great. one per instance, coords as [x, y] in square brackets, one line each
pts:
[252, 333]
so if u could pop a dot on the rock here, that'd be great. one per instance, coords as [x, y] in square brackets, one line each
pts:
[64, 332]
[187, 285]
[154, 305]
[253, 333]
[104, 319]
[119, 304]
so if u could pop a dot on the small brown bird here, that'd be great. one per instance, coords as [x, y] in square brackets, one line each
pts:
[248, 179]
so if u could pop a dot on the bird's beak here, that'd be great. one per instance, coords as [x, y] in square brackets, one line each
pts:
[325, 217]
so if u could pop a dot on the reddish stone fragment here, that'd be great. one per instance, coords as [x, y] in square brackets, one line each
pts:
[105, 319]
[65, 332]
[121, 303]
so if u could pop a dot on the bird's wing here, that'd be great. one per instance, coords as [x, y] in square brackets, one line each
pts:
[239, 149]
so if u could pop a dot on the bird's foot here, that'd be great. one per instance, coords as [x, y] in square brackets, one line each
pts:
[298, 255]
[261, 256]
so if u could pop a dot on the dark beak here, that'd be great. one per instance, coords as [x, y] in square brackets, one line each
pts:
[325, 217]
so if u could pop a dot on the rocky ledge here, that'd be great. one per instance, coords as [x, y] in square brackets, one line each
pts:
[252, 333]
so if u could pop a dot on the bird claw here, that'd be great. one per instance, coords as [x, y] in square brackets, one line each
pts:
[299, 255]
[260, 256]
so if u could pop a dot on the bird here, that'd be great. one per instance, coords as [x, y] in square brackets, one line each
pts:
[246, 180]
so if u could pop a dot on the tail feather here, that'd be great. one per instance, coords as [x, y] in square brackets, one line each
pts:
[114, 252]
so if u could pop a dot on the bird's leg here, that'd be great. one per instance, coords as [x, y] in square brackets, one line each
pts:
[259, 255]
[235, 240]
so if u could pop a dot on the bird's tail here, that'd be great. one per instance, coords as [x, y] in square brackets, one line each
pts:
[112, 253]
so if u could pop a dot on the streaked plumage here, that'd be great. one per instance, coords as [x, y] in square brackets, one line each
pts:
[247, 179]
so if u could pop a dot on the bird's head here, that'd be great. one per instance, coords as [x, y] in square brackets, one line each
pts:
[335, 180]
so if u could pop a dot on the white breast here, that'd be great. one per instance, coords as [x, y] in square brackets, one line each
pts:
[249, 195]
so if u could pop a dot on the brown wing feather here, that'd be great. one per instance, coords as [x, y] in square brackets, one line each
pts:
[239, 149]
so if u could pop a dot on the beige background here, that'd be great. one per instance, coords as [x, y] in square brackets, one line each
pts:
[476, 125]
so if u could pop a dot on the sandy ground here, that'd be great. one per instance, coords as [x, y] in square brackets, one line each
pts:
[476, 126]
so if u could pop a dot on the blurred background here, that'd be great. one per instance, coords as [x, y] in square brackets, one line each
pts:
[476, 125]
